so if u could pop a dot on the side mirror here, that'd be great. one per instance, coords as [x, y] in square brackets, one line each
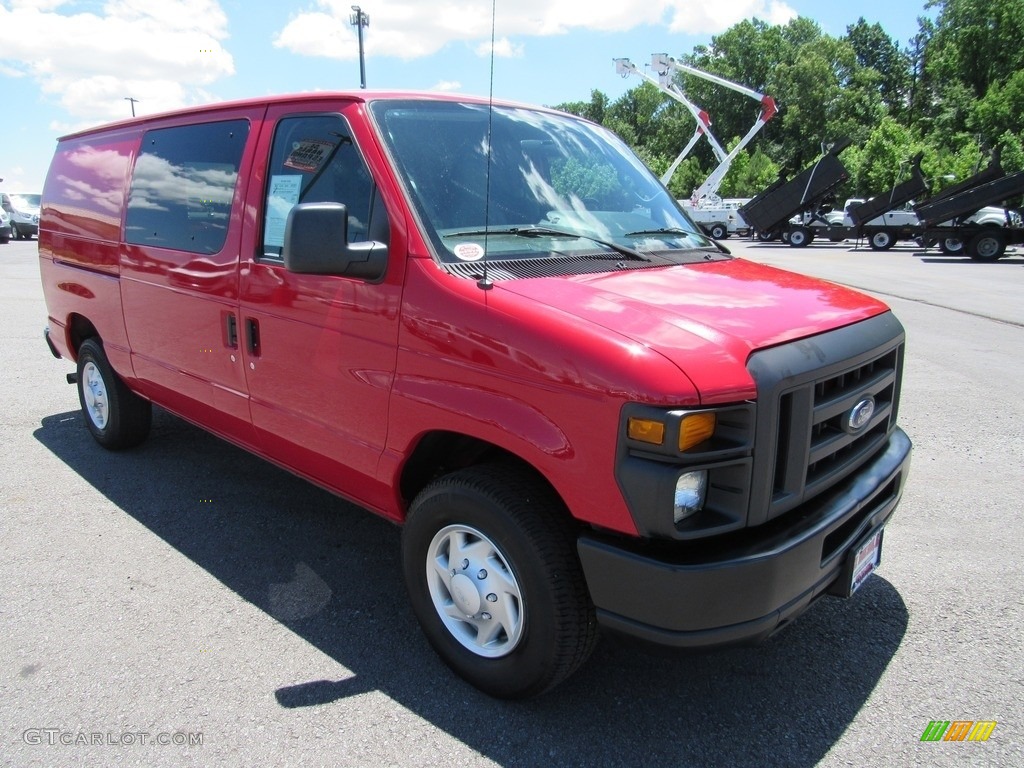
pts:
[316, 243]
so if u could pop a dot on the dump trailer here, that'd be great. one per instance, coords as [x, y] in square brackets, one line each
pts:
[770, 212]
[945, 219]
[879, 221]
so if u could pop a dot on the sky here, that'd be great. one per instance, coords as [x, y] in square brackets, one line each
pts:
[67, 65]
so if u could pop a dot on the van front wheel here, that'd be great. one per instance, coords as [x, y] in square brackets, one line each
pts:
[116, 416]
[490, 564]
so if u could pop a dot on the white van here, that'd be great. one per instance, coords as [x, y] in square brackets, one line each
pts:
[23, 210]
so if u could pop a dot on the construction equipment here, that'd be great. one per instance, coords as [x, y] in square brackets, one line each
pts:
[625, 67]
[770, 212]
[878, 219]
[665, 65]
[705, 206]
[950, 218]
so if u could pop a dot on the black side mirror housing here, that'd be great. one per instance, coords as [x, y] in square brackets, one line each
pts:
[316, 243]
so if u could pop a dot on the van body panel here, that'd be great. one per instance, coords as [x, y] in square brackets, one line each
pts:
[95, 296]
[84, 196]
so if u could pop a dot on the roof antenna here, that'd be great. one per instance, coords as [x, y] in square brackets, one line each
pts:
[484, 283]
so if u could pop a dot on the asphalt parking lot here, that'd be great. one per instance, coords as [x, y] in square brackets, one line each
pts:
[185, 603]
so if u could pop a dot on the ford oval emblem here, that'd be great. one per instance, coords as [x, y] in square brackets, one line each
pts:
[860, 415]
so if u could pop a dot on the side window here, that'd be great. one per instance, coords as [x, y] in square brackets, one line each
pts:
[314, 160]
[183, 184]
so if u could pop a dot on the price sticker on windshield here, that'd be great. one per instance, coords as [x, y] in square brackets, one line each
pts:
[468, 251]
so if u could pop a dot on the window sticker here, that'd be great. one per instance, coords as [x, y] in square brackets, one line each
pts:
[309, 154]
[469, 251]
[284, 195]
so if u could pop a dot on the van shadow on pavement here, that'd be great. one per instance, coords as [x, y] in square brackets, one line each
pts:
[330, 572]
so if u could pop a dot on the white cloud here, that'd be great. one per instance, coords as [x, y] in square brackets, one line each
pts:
[709, 18]
[503, 49]
[160, 53]
[447, 85]
[409, 29]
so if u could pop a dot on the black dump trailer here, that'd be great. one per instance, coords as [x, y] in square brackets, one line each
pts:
[944, 217]
[769, 213]
[875, 218]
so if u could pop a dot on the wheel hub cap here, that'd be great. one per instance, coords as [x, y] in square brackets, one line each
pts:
[474, 591]
[464, 594]
[94, 392]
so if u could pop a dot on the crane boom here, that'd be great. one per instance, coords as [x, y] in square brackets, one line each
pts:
[625, 67]
[664, 65]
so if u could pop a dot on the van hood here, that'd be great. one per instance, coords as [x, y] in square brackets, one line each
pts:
[706, 318]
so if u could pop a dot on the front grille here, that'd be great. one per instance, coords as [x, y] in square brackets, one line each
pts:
[813, 450]
[806, 393]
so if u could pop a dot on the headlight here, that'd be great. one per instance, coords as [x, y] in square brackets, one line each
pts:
[691, 489]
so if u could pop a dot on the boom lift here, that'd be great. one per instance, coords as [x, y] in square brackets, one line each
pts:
[704, 206]
[665, 65]
[625, 68]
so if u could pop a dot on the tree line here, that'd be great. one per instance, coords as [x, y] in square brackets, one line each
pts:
[953, 93]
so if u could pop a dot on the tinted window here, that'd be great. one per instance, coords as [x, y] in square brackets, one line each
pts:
[183, 184]
[314, 160]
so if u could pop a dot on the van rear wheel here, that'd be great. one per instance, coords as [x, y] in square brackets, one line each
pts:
[490, 564]
[116, 416]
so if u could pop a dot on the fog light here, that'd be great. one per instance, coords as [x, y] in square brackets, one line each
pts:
[691, 488]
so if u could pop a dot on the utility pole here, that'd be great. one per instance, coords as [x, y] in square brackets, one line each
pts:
[359, 19]
[132, 100]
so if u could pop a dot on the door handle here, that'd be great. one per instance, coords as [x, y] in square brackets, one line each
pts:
[252, 336]
[231, 330]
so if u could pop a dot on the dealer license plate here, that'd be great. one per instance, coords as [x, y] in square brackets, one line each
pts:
[865, 559]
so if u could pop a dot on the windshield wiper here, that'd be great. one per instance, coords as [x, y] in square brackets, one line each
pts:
[622, 250]
[662, 231]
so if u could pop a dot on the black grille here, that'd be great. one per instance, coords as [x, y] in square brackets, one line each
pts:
[814, 448]
[807, 391]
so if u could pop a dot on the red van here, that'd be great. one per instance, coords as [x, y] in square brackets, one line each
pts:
[491, 324]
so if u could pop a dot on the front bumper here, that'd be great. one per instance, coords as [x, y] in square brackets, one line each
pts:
[743, 586]
[27, 228]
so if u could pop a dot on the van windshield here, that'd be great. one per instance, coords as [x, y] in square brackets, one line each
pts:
[544, 184]
[25, 202]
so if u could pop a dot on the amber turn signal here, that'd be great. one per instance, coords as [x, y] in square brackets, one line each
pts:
[694, 429]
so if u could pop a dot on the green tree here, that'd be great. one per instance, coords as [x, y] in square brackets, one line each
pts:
[876, 51]
[885, 158]
[593, 110]
[1001, 111]
[977, 42]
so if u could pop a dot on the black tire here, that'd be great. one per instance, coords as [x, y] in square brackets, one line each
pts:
[544, 626]
[767, 237]
[15, 234]
[951, 246]
[719, 231]
[799, 236]
[988, 245]
[882, 240]
[116, 416]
